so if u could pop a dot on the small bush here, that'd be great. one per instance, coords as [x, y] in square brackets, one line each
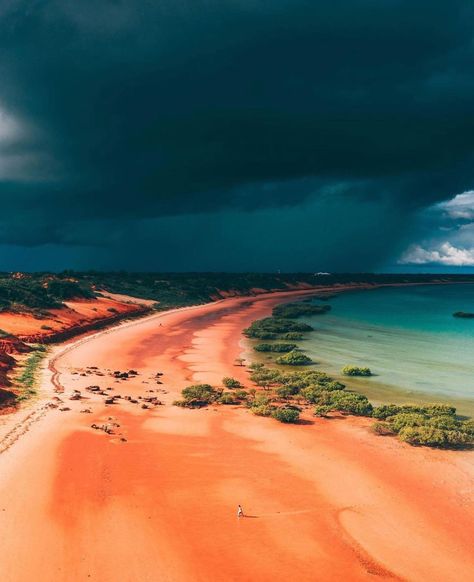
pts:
[265, 377]
[227, 398]
[231, 383]
[405, 419]
[433, 437]
[468, 427]
[437, 409]
[279, 348]
[256, 366]
[385, 410]
[356, 371]
[260, 400]
[444, 422]
[273, 327]
[286, 415]
[331, 386]
[286, 392]
[321, 410]
[262, 410]
[311, 394]
[349, 402]
[241, 394]
[200, 394]
[294, 358]
[383, 429]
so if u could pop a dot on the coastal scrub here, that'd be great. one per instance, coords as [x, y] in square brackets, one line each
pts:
[27, 380]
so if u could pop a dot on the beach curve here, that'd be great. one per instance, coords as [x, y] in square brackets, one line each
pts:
[326, 500]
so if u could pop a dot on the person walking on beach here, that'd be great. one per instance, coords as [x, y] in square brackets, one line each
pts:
[240, 511]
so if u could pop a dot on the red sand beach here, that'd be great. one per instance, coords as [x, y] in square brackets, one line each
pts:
[326, 500]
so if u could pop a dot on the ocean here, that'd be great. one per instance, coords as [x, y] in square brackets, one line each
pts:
[409, 338]
[417, 351]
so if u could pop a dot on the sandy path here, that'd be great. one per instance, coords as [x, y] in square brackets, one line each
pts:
[326, 500]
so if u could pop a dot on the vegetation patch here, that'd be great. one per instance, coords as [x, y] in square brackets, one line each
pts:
[231, 383]
[198, 395]
[227, 398]
[286, 415]
[27, 380]
[294, 358]
[39, 291]
[274, 327]
[277, 347]
[356, 371]
[295, 310]
[435, 425]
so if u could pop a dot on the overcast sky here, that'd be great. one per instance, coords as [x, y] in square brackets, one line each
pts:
[237, 134]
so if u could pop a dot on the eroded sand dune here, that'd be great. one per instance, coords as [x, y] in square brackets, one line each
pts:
[324, 500]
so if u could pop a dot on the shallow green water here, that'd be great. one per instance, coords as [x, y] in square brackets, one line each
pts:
[409, 339]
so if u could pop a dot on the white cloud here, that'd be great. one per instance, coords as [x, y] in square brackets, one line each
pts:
[446, 234]
[444, 254]
[461, 206]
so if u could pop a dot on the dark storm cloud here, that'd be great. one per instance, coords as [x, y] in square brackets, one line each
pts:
[125, 111]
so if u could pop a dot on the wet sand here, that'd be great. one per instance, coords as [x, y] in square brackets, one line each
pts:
[325, 500]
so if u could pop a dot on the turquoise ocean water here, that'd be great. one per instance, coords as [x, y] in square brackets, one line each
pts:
[408, 337]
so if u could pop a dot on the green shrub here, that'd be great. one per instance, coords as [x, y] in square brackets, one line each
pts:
[200, 394]
[303, 378]
[456, 438]
[255, 366]
[264, 377]
[241, 394]
[272, 327]
[286, 415]
[438, 409]
[404, 419]
[433, 437]
[259, 400]
[278, 348]
[28, 379]
[331, 386]
[444, 422]
[468, 427]
[349, 402]
[231, 383]
[383, 429]
[294, 358]
[356, 371]
[321, 410]
[262, 410]
[385, 410]
[286, 391]
[311, 394]
[227, 398]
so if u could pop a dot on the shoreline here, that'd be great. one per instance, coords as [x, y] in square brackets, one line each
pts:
[326, 497]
